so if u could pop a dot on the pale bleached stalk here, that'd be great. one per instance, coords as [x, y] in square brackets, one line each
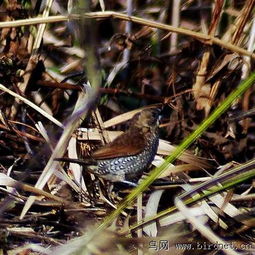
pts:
[139, 218]
[35, 107]
[204, 230]
[33, 58]
[175, 23]
[84, 101]
[38, 39]
[128, 28]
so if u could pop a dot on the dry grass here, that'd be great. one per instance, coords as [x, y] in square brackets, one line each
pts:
[186, 57]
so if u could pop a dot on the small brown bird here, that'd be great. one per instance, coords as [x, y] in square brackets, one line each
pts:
[130, 153]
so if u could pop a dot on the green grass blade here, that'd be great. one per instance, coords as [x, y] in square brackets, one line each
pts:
[188, 141]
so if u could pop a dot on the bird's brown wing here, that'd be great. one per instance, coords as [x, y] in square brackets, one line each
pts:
[127, 144]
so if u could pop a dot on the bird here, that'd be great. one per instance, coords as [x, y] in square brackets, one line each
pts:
[129, 154]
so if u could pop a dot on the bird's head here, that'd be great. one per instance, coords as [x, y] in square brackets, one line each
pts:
[147, 118]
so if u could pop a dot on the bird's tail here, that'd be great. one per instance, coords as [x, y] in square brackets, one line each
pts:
[77, 161]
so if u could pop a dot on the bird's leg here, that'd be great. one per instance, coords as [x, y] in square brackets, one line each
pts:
[133, 184]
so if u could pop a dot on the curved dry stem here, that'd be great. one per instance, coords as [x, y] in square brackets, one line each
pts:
[207, 39]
